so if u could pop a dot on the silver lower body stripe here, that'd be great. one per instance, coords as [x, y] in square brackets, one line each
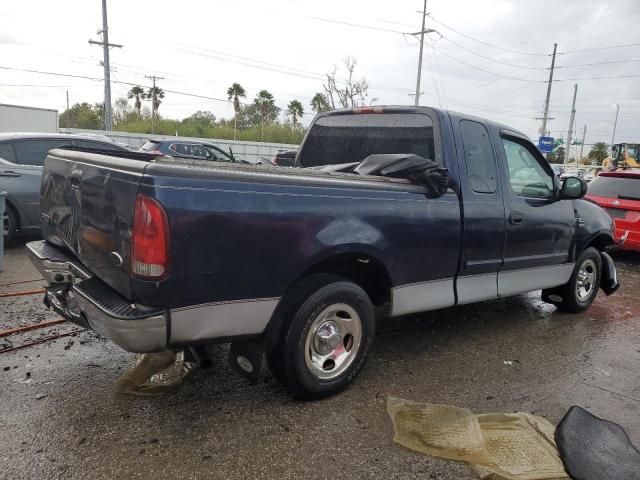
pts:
[221, 319]
[512, 282]
[421, 297]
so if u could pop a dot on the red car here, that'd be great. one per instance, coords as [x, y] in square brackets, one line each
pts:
[618, 192]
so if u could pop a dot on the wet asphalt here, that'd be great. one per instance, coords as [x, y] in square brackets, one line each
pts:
[60, 417]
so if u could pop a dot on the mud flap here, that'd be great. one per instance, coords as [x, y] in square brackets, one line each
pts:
[247, 358]
[609, 282]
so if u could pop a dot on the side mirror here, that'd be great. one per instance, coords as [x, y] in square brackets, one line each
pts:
[573, 188]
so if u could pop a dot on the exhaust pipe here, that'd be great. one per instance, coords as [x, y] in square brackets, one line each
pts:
[200, 356]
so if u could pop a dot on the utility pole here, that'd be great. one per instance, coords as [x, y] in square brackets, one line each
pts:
[570, 132]
[545, 117]
[421, 33]
[615, 124]
[584, 134]
[68, 112]
[108, 121]
[153, 99]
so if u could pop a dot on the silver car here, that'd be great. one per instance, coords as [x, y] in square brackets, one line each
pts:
[22, 156]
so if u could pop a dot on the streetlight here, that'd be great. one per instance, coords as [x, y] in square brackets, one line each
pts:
[615, 124]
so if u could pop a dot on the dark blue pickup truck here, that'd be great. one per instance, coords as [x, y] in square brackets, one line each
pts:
[391, 209]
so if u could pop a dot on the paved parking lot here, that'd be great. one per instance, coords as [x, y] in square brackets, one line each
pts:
[60, 417]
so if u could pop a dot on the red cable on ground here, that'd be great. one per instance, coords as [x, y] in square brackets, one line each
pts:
[19, 294]
[33, 326]
[30, 344]
[18, 283]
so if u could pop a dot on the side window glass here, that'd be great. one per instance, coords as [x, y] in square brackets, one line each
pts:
[479, 157]
[216, 154]
[34, 152]
[6, 152]
[198, 151]
[527, 176]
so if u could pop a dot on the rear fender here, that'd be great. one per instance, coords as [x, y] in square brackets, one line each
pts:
[609, 281]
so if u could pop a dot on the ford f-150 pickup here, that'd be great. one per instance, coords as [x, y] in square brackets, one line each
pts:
[389, 209]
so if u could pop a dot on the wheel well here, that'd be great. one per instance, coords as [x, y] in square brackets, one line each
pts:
[600, 242]
[364, 270]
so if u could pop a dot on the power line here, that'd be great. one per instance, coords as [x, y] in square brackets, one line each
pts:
[633, 75]
[486, 71]
[357, 25]
[491, 59]
[487, 43]
[597, 63]
[599, 48]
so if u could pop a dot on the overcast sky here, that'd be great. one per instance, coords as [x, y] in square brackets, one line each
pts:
[286, 46]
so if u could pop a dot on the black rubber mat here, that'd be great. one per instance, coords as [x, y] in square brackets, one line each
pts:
[596, 449]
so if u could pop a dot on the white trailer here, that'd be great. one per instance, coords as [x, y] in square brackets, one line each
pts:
[18, 118]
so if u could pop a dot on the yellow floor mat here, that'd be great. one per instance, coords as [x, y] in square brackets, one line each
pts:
[499, 446]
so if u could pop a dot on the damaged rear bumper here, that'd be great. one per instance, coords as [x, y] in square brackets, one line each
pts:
[85, 300]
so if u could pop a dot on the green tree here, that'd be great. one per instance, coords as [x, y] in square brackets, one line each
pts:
[266, 106]
[598, 152]
[82, 115]
[295, 110]
[320, 103]
[156, 97]
[137, 92]
[234, 92]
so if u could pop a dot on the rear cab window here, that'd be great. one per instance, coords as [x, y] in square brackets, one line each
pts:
[347, 138]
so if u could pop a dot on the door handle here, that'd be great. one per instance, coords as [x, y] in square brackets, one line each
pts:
[9, 173]
[516, 218]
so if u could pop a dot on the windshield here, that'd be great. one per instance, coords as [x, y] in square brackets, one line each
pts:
[615, 187]
[339, 139]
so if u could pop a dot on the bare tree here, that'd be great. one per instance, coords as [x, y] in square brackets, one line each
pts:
[352, 94]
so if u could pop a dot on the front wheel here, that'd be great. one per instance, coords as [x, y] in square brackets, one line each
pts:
[328, 330]
[581, 290]
[10, 225]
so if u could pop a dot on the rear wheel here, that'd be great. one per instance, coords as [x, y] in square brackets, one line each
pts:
[328, 328]
[578, 294]
[10, 224]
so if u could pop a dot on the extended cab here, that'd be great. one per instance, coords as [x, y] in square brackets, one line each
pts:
[406, 209]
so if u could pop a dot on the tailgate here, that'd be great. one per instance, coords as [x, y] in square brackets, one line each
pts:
[87, 202]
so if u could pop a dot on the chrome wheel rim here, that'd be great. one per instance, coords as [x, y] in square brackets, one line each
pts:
[5, 224]
[333, 341]
[586, 280]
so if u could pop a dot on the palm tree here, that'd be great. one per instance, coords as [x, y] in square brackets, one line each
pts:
[234, 92]
[320, 103]
[599, 152]
[295, 110]
[155, 94]
[264, 102]
[139, 95]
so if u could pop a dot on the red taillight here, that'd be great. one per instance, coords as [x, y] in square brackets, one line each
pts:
[150, 242]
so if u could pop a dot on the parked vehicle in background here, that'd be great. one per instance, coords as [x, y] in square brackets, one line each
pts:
[572, 173]
[417, 209]
[20, 118]
[618, 192]
[284, 158]
[23, 156]
[557, 169]
[186, 149]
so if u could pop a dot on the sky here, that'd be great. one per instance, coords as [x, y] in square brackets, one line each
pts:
[488, 58]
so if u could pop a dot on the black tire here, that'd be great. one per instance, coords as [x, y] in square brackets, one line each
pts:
[10, 224]
[303, 308]
[569, 297]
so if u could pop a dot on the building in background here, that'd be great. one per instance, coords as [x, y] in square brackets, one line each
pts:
[18, 118]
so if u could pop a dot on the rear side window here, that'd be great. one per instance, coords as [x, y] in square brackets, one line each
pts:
[338, 139]
[6, 152]
[150, 146]
[479, 157]
[615, 187]
[34, 152]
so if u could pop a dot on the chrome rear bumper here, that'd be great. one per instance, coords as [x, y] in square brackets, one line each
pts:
[85, 300]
